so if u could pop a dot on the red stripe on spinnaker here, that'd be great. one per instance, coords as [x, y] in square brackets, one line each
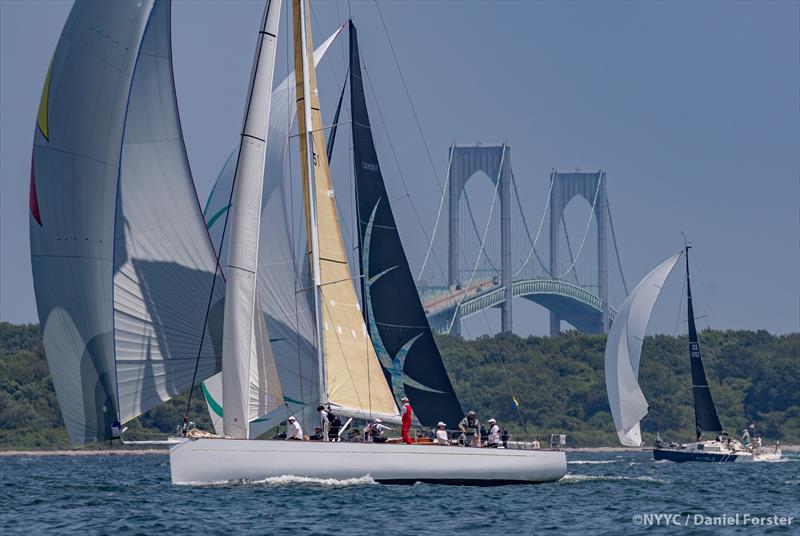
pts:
[34, 200]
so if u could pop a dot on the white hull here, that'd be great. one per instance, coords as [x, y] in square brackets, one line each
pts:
[209, 461]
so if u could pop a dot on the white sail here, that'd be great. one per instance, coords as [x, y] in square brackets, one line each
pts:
[623, 351]
[244, 333]
[123, 267]
[289, 319]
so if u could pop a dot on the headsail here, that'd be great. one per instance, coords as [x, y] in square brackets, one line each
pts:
[395, 318]
[289, 320]
[122, 263]
[705, 412]
[245, 342]
[353, 377]
[623, 351]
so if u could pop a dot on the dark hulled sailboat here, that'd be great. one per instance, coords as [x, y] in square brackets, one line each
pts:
[722, 448]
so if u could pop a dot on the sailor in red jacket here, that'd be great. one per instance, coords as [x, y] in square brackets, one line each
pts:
[406, 412]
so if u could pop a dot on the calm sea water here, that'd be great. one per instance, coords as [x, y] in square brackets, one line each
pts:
[601, 494]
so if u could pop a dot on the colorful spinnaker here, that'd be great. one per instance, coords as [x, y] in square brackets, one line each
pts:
[122, 263]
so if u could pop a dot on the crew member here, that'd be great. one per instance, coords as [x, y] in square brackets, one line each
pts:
[746, 438]
[294, 431]
[493, 440]
[441, 434]
[374, 431]
[470, 428]
[407, 414]
[317, 435]
[324, 422]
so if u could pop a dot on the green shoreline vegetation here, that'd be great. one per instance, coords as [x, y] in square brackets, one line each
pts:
[559, 383]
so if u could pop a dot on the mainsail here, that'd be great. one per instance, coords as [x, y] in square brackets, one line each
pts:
[353, 378]
[705, 412]
[245, 340]
[289, 319]
[123, 267]
[623, 352]
[396, 320]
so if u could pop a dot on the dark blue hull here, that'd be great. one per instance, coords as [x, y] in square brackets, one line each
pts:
[692, 456]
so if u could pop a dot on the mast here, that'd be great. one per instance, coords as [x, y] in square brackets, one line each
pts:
[301, 64]
[244, 332]
[706, 417]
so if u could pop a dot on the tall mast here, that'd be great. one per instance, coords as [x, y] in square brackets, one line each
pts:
[301, 54]
[706, 417]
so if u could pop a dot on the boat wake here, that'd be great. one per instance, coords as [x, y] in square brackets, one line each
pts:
[289, 480]
[592, 462]
[575, 479]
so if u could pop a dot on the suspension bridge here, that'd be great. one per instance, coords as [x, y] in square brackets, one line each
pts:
[568, 275]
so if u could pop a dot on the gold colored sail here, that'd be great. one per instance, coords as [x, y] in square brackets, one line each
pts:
[354, 377]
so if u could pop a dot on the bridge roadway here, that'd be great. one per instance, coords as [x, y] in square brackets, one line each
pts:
[575, 304]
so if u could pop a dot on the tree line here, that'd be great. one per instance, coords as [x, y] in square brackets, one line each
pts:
[558, 382]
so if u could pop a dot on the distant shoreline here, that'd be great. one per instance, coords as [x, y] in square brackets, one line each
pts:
[164, 452]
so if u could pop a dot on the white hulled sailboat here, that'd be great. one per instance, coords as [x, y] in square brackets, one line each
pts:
[352, 377]
[130, 289]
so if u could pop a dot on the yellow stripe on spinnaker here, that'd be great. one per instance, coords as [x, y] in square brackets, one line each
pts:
[42, 119]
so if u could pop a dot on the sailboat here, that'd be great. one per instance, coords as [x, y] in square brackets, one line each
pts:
[627, 402]
[148, 310]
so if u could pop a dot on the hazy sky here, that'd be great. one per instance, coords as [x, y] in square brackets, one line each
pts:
[692, 108]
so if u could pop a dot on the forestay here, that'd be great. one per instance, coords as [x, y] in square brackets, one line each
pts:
[623, 352]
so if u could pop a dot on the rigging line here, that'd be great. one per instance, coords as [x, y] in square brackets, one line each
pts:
[680, 306]
[438, 212]
[616, 249]
[295, 240]
[475, 225]
[485, 232]
[332, 68]
[588, 226]
[408, 95]
[569, 248]
[218, 268]
[539, 230]
[365, 72]
[505, 370]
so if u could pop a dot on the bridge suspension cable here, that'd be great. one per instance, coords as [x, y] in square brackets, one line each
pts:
[438, 212]
[616, 249]
[586, 232]
[483, 241]
[527, 230]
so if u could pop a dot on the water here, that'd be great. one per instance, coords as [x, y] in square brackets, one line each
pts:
[601, 494]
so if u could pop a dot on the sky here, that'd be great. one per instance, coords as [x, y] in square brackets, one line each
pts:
[692, 108]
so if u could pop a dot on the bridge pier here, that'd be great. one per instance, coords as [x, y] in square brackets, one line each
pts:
[495, 162]
[591, 185]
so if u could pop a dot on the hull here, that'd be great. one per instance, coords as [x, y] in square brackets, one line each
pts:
[700, 456]
[210, 461]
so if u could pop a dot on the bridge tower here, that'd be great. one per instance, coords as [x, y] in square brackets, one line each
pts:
[588, 184]
[495, 162]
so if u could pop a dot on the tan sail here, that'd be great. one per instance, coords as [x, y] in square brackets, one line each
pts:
[353, 376]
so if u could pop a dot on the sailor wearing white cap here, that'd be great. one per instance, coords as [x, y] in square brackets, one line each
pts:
[294, 431]
[441, 434]
[374, 431]
[494, 434]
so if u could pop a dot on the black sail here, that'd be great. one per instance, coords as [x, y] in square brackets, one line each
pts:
[705, 412]
[392, 309]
